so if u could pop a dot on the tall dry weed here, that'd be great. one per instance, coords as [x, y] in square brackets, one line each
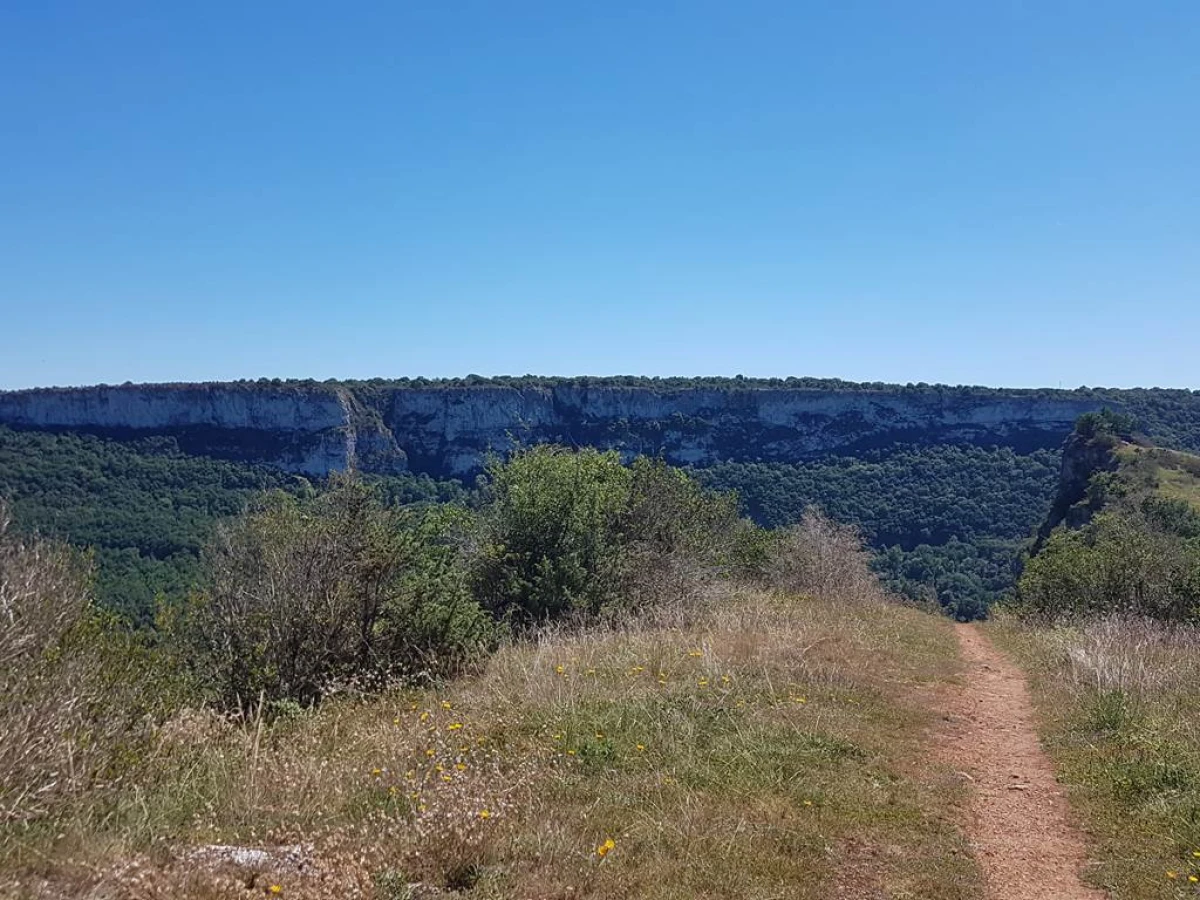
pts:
[1135, 655]
[68, 708]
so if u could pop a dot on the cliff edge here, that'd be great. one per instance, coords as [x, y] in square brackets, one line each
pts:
[447, 430]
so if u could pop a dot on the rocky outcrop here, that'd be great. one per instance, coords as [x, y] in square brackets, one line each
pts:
[1083, 457]
[447, 430]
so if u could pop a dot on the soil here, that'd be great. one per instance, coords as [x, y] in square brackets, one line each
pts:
[1018, 821]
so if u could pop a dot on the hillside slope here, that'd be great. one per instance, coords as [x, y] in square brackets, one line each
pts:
[1123, 534]
[759, 746]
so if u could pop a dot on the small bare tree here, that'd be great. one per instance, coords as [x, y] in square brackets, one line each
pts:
[822, 558]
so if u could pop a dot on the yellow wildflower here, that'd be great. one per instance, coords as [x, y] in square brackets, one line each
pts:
[604, 849]
[454, 726]
[276, 889]
[485, 814]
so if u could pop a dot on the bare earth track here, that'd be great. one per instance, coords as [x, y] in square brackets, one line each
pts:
[1018, 819]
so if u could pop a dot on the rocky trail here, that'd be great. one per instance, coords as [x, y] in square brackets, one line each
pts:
[1018, 821]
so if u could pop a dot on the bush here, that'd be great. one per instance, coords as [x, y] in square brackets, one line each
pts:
[304, 595]
[1121, 562]
[820, 558]
[577, 533]
[550, 539]
[677, 537]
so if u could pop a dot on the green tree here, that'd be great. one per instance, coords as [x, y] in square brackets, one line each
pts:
[551, 540]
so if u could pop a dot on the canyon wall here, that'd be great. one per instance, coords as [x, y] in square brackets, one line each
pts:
[447, 430]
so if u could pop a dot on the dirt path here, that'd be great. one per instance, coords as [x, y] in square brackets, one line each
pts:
[1017, 821]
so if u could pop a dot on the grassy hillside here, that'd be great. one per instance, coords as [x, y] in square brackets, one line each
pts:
[599, 682]
[1117, 701]
[1123, 535]
[1146, 472]
[753, 745]
[1110, 602]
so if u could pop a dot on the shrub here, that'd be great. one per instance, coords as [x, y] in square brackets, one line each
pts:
[550, 542]
[304, 595]
[822, 558]
[1121, 562]
[577, 533]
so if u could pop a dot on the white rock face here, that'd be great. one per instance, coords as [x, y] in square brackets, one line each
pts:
[453, 427]
[156, 408]
[317, 429]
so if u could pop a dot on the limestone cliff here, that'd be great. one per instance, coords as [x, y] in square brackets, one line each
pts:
[447, 429]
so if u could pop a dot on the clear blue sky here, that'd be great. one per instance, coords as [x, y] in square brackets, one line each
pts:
[971, 192]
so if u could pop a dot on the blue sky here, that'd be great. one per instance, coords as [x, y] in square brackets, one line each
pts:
[997, 192]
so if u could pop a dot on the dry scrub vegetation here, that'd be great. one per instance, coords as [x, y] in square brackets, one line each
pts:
[720, 738]
[1118, 700]
[758, 745]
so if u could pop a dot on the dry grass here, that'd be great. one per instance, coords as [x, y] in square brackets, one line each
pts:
[1118, 702]
[68, 708]
[750, 746]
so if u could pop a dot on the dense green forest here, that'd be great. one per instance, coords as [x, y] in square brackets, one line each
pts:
[909, 497]
[145, 508]
[947, 520]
